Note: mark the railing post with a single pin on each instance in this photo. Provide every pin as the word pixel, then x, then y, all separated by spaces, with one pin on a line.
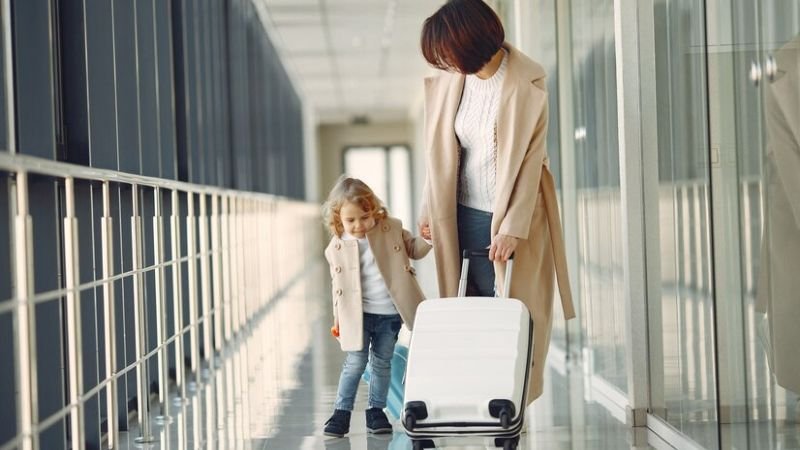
pixel 226 268
pixel 191 246
pixel 161 307
pixel 233 259
pixel 140 322
pixel 216 255
pixel 109 319
pixel 25 324
pixel 177 297
pixel 205 280
pixel 74 330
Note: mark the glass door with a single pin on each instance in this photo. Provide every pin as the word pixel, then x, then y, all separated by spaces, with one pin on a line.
pixel 756 128
pixel 681 327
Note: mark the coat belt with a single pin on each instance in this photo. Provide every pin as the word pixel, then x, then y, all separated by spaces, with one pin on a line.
pixel 557 242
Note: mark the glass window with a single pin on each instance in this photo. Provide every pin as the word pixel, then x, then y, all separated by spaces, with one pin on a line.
pixel 682 353
pixel 596 180
pixel 754 129
pixel 387 170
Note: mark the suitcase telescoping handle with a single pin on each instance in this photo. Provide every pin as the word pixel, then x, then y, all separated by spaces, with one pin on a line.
pixel 482 252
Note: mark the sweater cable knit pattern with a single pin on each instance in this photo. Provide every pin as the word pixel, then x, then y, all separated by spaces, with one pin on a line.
pixel 476 129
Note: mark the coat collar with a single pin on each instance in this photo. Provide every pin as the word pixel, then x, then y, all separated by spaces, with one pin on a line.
pixel 521 89
pixel 519 70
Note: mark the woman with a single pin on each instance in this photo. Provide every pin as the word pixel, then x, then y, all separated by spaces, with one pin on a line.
pixel 488 183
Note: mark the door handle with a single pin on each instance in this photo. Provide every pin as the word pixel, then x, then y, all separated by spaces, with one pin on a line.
pixel 755 73
pixel 771 68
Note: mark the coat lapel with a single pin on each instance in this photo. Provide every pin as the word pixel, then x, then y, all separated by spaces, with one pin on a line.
pixel 514 123
pixel 376 240
pixel 444 95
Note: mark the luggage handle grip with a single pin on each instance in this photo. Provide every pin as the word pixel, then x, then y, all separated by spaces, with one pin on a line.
pixel 470 253
pixel 467 254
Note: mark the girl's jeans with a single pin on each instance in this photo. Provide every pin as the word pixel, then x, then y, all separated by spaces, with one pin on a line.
pixel 474 232
pixel 380 335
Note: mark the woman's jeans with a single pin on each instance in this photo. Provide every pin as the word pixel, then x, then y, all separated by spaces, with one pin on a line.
pixel 381 332
pixel 474 232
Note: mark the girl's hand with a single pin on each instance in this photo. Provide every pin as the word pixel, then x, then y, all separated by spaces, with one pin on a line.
pixel 425 228
pixel 502 247
pixel 425 232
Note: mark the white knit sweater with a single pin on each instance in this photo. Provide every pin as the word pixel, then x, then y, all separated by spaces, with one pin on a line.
pixel 476 129
pixel 375 296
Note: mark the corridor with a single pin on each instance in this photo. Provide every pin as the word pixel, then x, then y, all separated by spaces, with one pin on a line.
pixel 275 387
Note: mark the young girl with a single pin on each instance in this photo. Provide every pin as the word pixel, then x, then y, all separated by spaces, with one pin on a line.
pixel 374 291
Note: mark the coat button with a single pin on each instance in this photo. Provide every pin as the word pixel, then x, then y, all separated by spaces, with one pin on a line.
pixel 337 246
pixel 397 248
pixel 407 268
pixel 338 269
pixel 386 227
pixel 339 292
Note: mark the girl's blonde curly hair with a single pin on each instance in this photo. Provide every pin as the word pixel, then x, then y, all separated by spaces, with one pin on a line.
pixel 354 191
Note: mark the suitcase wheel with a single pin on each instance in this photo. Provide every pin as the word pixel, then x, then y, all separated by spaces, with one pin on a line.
pixel 507 444
pixel 505 420
pixel 409 422
pixel 414 411
pixel 503 410
pixel 421 444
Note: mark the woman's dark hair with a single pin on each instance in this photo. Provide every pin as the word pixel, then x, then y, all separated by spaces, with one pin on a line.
pixel 462 35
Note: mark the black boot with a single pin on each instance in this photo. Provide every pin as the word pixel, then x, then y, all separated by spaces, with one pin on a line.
pixel 377 422
pixel 339 423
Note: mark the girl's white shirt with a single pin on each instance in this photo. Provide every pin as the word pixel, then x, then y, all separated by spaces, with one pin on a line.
pixel 375 296
pixel 476 129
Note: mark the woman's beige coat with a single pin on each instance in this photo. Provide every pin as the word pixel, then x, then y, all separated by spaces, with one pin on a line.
pixel 525 204
pixel 779 284
pixel 392 247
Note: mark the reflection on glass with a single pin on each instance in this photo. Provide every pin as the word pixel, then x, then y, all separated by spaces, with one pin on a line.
pixel 681 321
pixel 777 329
pixel 780 285
pixel 762 127
pixel 596 177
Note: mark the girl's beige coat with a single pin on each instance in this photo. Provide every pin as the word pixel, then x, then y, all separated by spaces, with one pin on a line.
pixel 525 201
pixel 392 247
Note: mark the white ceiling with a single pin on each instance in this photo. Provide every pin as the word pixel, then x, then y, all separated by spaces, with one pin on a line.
pixel 352 58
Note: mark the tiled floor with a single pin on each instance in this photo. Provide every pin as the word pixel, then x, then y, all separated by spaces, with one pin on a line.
pixel 276 389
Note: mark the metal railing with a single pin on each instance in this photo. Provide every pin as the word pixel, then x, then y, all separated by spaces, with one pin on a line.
pixel 236 261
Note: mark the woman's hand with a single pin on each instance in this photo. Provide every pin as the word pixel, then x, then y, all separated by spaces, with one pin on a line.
pixel 502 247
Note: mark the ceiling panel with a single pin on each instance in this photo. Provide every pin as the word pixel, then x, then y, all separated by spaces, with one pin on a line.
pixel 303 38
pixel 353 57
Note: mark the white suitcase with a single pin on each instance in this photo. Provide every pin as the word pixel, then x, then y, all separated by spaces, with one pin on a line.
pixel 468 367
